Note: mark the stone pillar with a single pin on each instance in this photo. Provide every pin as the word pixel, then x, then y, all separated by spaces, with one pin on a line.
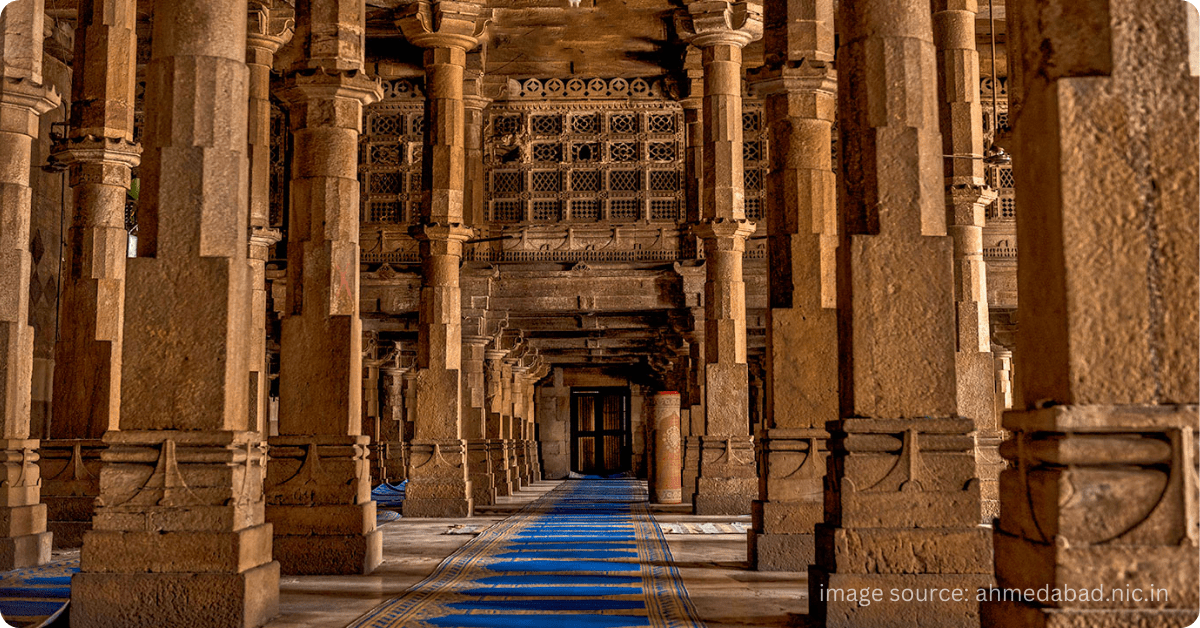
pixel 371 419
pixel 496 420
pixel 438 480
pixel 475 177
pixel 520 421
pixel 536 373
pixel 267 31
pixel 23 97
pixel 668 461
pixel 727 475
pixel 802 352
pixel 391 424
pixel 319 492
pixel 966 199
pixel 1101 487
pixel 695 427
pixel 479 462
pixel 180 512
pixel 100 154
pixel 901 497
pixel 511 427
pixel 410 416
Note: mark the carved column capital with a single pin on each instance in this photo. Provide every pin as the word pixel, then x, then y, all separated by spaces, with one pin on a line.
pixel 719 22
pixel 443 24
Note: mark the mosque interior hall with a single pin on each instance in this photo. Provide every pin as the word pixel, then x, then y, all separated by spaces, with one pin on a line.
pixel 599 313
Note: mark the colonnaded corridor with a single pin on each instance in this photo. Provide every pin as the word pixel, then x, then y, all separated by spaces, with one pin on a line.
pixel 590 553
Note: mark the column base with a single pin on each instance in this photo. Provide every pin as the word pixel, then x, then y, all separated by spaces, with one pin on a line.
pixel 70 471
pixel 691 467
pixel 720 496
pixel 780 552
pixel 479 466
pixel 326 540
pixel 29 550
pixel 199 600
pixel 834 599
pixel 501 481
pixel 438 485
pixel 68 534
pixel 437 507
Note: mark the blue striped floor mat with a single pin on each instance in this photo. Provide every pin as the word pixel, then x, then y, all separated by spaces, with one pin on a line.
pixel 586 555
pixel 35 596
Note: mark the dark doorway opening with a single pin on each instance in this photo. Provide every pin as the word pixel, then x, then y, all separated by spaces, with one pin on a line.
pixel 601 438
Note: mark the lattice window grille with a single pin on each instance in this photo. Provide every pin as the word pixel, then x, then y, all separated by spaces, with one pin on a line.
pixel 751 120
pixel 585 152
pixel 508 211
pixel 585 123
pixel 603 151
pixel 390 157
pixel 660 123
pixel 623 123
pixel 752 151
pixel 661 151
pixel 585 210
pixel 754 209
pixel 546 181
pixel 624 180
pixel 547 210
pixel 506 183
pixel 664 181
pixel 664 209
pixel 547 152
pixel 754 180
pixel 754 162
pixel 546 125
pixel 624 209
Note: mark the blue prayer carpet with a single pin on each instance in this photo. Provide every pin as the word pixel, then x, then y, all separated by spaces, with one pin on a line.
pixel 586 555
pixel 35 596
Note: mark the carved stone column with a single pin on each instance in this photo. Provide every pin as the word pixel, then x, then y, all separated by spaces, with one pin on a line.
pixel 497 421
pixel 668 460
pixel 966 199
pixel 180 511
pixel 1101 487
pixel 438 479
pixel 268 29
pixel 23 98
pixel 901 496
pixel 802 352
pixel 520 421
pixel 533 457
pixel 512 427
pixel 100 154
pixel 726 482
pixel 391 424
pixel 319 492
pixel 479 463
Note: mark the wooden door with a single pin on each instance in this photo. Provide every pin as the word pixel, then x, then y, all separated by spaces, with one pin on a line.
pixel 601 440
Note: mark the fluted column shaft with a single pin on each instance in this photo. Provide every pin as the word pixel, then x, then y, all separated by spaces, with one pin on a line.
pixel 802 352
pixel 23 98
pixel 319 460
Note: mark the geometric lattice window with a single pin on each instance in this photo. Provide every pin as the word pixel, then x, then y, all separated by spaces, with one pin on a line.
pixel 754 209
pixel 506 183
pixel 507 211
pixel 585 152
pixel 623 151
pixel 585 210
pixel 547 152
pixel 664 181
pixel 546 181
pixel 751 151
pixel 550 161
pixel 754 180
pixel 622 123
pixel 661 151
pixel 506 125
pixel 660 123
pixel 390 159
pixel 585 181
pixel 752 121
pixel 585 123
pixel 624 209
pixel 624 181
pixel 664 209
pixel 547 211
pixel 546 125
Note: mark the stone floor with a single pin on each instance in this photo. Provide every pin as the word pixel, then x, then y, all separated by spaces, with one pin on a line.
pixel 713 566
